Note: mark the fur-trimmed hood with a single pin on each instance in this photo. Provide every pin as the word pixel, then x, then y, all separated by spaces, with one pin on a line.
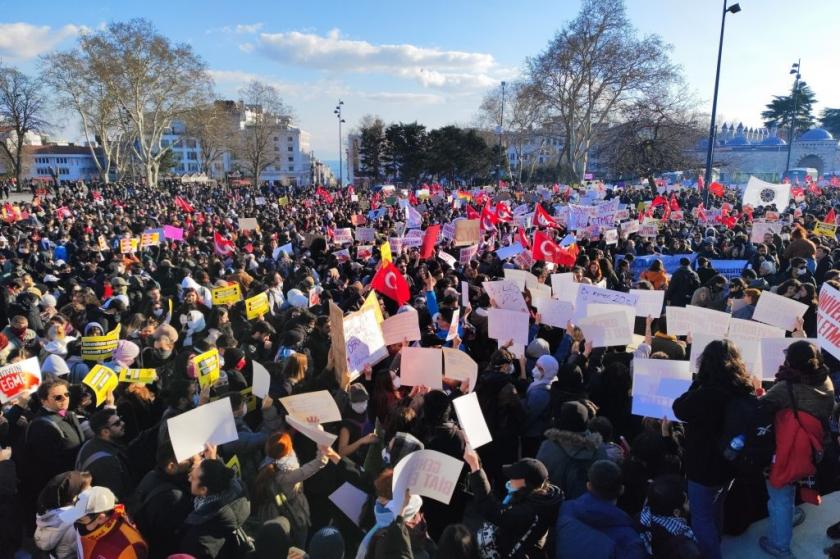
pixel 575 443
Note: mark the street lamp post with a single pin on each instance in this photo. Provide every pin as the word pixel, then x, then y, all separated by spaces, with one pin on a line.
pixel 734 8
pixel 501 128
pixel 797 88
pixel 341 121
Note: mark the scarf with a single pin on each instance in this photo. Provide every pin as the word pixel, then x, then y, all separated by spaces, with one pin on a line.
pixel 674 525
pixel 199 502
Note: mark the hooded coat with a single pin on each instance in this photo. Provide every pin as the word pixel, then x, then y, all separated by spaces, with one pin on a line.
pixel 209 530
pixel 567 456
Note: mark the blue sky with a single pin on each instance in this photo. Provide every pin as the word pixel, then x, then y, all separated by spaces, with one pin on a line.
pixel 432 61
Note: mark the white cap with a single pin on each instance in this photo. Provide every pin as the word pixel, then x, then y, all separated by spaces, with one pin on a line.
pixel 90 501
pixel 414 504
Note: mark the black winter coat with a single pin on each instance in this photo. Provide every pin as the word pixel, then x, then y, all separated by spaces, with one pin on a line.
pixel 209 532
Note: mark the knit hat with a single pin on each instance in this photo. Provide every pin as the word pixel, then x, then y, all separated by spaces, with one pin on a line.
pixel 48 300
pixel 537 349
pixel 297 299
pixel 125 353
pixel 327 543
pixel 358 393
pixel 55 365
pixel 272 539
pixel 530 469
pixel 91 325
pixel 404 444
pixel 414 504
pixel 573 417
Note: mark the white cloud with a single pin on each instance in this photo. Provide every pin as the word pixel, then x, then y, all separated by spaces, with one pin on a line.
pixel 247 27
pixel 24 40
pixel 431 67
pixel 230 81
pixel 405 98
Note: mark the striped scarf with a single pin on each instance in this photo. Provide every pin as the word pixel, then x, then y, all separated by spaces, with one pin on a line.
pixel 674 525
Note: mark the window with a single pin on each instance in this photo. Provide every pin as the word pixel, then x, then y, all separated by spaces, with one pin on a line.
pixel 276 138
pixel 291 167
pixel 276 148
pixel 63 170
pixel 192 156
pixel 190 144
pixel 290 148
pixel 164 143
pixel 291 159
pixel 291 139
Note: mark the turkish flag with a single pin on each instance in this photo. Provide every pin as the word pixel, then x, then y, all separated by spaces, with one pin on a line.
pixel 830 217
pixel 542 219
pixel 390 282
pixel 659 201
pixel 717 189
pixel 503 213
pixel 429 241
pixel 488 218
pixel 471 213
pixel 224 247
pixel 184 205
pixel 523 239
pixel 675 206
pixel 544 247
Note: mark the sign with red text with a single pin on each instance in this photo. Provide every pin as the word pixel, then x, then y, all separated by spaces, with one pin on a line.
pixel 428 473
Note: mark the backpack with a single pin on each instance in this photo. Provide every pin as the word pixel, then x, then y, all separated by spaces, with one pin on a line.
pixel 751 418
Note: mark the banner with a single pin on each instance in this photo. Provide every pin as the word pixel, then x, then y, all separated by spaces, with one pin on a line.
pixel 729 268
pixel 207 368
pixel 226 295
pixel 101 380
pixel 671 263
pixel 828 320
pixel 100 348
pixel 825 229
pixel 760 193
pixel 256 306
pixel 19 377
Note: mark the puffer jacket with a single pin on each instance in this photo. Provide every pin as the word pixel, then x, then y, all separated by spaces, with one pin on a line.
pixel 209 531
pixel 567 457
pixel 54 536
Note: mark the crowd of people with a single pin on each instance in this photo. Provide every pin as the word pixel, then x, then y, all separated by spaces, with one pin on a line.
pixel 570 472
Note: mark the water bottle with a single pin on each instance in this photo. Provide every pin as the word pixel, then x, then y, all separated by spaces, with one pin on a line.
pixel 736 445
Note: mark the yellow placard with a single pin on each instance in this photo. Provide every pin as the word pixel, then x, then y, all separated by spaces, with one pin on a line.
pixel 256 306
pixel 151 239
pixel 101 380
pixel 226 295
pixel 385 251
pixel 100 348
pixel 825 229
pixel 139 376
pixel 372 302
pixel 283 201
pixel 207 367
pixel 233 464
pixel 249 398
pixel 128 246
pixel 103 244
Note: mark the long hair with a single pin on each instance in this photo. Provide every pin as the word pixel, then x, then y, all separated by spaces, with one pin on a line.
pixel 277 445
pixel 803 363
pixel 720 366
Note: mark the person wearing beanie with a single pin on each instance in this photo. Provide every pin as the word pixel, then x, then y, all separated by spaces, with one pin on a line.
pixel 592 525
pixel 538 403
pixel 278 489
pixel 356 431
pixel 527 511
pixel 272 540
pixel 569 449
pixel 536 349
pixel 327 543
pixel 124 355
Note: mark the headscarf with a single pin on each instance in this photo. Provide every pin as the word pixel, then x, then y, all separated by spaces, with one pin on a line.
pixel 549 367
pixel 125 353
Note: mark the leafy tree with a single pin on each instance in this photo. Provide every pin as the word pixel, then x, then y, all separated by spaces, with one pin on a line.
pixel 455 153
pixel 780 109
pixel 371 148
pixel 404 151
pixel 830 120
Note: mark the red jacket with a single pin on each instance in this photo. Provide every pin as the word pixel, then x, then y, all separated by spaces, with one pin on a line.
pixel 796 442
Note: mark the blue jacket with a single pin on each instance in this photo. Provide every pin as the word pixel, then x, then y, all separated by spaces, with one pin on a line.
pixel 596 529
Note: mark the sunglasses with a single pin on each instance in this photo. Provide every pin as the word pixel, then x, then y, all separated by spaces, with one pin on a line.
pixel 60 397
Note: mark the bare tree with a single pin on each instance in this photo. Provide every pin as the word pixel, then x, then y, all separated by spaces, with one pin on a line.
pixel 590 69
pixel 657 133
pixel 153 82
pixel 91 100
pixel 266 114
pixel 21 110
pixel 215 127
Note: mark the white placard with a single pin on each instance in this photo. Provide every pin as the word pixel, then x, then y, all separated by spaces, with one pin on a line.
pixel 553 312
pixel 649 303
pixel 366 234
pixel 453 325
pixel 472 420
pixel 428 473
pixel 561 283
pixel 506 294
pixel 754 330
pixel 509 251
pixel 593 294
pixel 401 326
pixel 318 404
pixel 677 321
pixel 262 380
pixel 364 341
pixel 778 311
pixel 701 319
pixel 604 330
pixel 311 432
pixel 209 423
pixel 773 354
pixel 656 384
pixel 350 500
pixel 520 277
pixel 828 320
pixel 457 365
pixel 504 325
pixel 465 294
pixel 342 236
pixel 421 366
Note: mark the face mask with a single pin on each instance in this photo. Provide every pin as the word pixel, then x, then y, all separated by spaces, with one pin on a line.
pixel 509 369
pixel 164 353
pixel 396 381
pixel 785 237
pixel 359 407
pixel 801 271
pixel 386 456
pixel 538 375
pixel 509 487
pixel 158 312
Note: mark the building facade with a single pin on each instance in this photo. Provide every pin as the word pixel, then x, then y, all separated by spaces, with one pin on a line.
pixel 60 162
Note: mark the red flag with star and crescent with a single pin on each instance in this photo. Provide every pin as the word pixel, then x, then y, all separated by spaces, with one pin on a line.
pixel 503 213
pixel 546 249
pixel 390 282
pixel 542 219
pixel 488 218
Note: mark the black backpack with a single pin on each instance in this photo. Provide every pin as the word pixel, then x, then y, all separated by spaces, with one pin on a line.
pixel 752 418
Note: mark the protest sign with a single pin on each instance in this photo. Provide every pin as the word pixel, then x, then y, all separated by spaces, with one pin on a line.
pixel 139 376
pixel 129 245
pixel 262 380
pixel 365 234
pixel 338 353
pixel 607 329
pixel 828 320
pixel 343 256
pixel 627 228
pixel 421 366
pixel 343 235
pixel 752 329
pixel 649 229
pixel 318 404
pixel 448 231
pixel 226 294
pixel 19 377
pixel 372 303
pixel 312 432
pixel 173 233
pixel 671 262
pixel 465 294
pixel 209 423
pixel 103 244
pixel 233 464
pixel 506 295
pixel 350 500
pixel 504 325
pixel 593 294
pixel 554 312
pixel 699 342
pixel 509 251
pixel 519 277
pixel 466 254
pixel 760 228
pixel 448 258
pixel 101 381
pixel 248 224
pixel 395 244
pixel 256 306
pixel 649 303
pixel 364 342
pixel 467 232
pixel 149 238
pixel 314 296
pixel 729 268
pixel 100 348
pixel 701 319
pixel 678 321
pixel 561 282
pixel 207 368
pixel 453 325
pixel 773 354
pixel 778 311
pixel 457 365
pixel 656 384
pixel 825 229
pixel 428 473
pixel 401 326
pixel 611 236
pixel 750 350
pixel 471 419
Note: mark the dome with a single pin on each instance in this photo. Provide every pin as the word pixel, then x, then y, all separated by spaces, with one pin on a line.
pixel 773 141
pixel 816 135
pixel 739 140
